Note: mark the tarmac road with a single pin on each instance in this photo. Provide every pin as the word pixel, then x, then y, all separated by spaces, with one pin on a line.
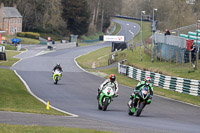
pixel 76 93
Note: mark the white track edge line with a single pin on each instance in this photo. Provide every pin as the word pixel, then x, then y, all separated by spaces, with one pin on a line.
pixel 29 90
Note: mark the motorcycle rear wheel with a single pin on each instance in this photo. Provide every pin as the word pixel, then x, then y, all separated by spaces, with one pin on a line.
pixel 56 80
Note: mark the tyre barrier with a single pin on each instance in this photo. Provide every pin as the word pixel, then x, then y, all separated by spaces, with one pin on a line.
pixel 181 85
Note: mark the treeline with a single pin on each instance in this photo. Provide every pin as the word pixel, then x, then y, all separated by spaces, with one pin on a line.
pixel 66 17
pixel 171 13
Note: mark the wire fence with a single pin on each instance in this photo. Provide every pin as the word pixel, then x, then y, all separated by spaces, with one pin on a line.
pixel 171 49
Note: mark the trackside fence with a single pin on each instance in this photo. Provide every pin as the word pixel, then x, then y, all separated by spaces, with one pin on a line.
pixel 177 84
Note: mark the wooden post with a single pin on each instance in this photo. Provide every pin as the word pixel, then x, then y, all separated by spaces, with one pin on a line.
pixel 160 55
pixel 190 58
pixel 170 56
pixel 183 58
pixel 156 54
pixel 197 59
pixel 176 57
pixel 165 55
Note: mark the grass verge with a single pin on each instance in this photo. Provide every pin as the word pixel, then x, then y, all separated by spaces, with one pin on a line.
pixel 97 60
pixel 24 40
pixel 5 128
pixel 10 60
pixel 159 91
pixel 15 97
pixel 118 28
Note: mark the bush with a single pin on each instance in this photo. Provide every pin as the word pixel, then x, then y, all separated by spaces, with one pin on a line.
pixel 21 34
pixel 28 35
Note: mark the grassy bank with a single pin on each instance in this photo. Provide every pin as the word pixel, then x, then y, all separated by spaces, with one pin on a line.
pixel 159 91
pixel 146 28
pixel 15 97
pixel 24 40
pixel 98 59
pixel 13 94
pixel 10 60
pixel 4 128
pixel 118 28
pixel 88 60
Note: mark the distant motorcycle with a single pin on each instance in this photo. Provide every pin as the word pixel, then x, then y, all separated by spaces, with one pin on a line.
pixel 57 76
pixel 105 98
pixel 141 99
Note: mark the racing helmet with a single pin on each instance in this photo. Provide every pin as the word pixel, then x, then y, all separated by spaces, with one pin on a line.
pixel 58 65
pixel 147 80
pixel 112 78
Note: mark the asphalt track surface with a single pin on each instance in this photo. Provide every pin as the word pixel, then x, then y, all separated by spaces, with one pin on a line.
pixel 76 93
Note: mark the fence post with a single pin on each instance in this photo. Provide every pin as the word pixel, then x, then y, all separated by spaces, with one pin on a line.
pixel 197 59
pixel 156 54
pixel 176 57
pixel 160 55
pixel 183 58
pixel 190 57
pixel 170 56
pixel 165 55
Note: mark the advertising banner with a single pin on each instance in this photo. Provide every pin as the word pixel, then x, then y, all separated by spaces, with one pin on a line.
pixel 113 38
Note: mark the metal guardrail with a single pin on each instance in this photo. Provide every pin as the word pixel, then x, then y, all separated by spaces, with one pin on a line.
pixel 181 85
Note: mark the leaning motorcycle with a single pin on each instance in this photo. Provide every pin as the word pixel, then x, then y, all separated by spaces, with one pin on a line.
pixel 105 98
pixel 57 76
pixel 141 99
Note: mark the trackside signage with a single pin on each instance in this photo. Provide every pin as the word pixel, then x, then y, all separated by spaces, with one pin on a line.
pixel 113 38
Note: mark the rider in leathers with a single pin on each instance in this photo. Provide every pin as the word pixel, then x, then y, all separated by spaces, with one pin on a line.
pixel 146 83
pixel 111 83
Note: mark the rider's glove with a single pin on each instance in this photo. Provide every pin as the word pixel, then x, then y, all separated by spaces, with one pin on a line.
pixel 136 91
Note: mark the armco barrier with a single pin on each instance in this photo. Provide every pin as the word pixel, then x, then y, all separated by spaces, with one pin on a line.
pixel 177 84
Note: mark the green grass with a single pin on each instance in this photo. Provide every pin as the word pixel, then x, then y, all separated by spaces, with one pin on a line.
pixel 24 40
pixel 92 37
pixel 118 28
pixel 5 128
pixel 145 64
pixel 15 97
pixel 159 91
pixel 97 59
pixel 146 28
pixel 133 59
pixel 9 47
pixel 10 60
pixel 166 68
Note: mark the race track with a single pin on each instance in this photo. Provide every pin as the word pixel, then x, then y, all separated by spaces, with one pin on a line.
pixel 76 93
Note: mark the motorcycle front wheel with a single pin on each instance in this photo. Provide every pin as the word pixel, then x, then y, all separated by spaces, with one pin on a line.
pixel 139 110
pixel 105 104
pixel 56 80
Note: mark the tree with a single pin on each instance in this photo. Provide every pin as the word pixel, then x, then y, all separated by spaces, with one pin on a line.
pixel 76 15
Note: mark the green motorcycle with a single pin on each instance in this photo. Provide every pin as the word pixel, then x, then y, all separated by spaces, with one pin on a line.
pixel 141 99
pixel 105 98
pixel 57 76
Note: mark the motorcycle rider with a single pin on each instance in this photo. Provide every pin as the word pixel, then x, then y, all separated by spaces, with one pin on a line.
pixel 146 83
pixel 111 82
pixel 58 66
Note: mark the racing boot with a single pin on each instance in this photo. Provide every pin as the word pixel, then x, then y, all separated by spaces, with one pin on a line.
pixel 98 94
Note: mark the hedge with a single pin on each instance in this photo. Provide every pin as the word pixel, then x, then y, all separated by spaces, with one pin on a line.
pixel 28 35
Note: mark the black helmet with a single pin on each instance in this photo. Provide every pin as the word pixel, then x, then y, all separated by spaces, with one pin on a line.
pixel 112 77
pixel 58 65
